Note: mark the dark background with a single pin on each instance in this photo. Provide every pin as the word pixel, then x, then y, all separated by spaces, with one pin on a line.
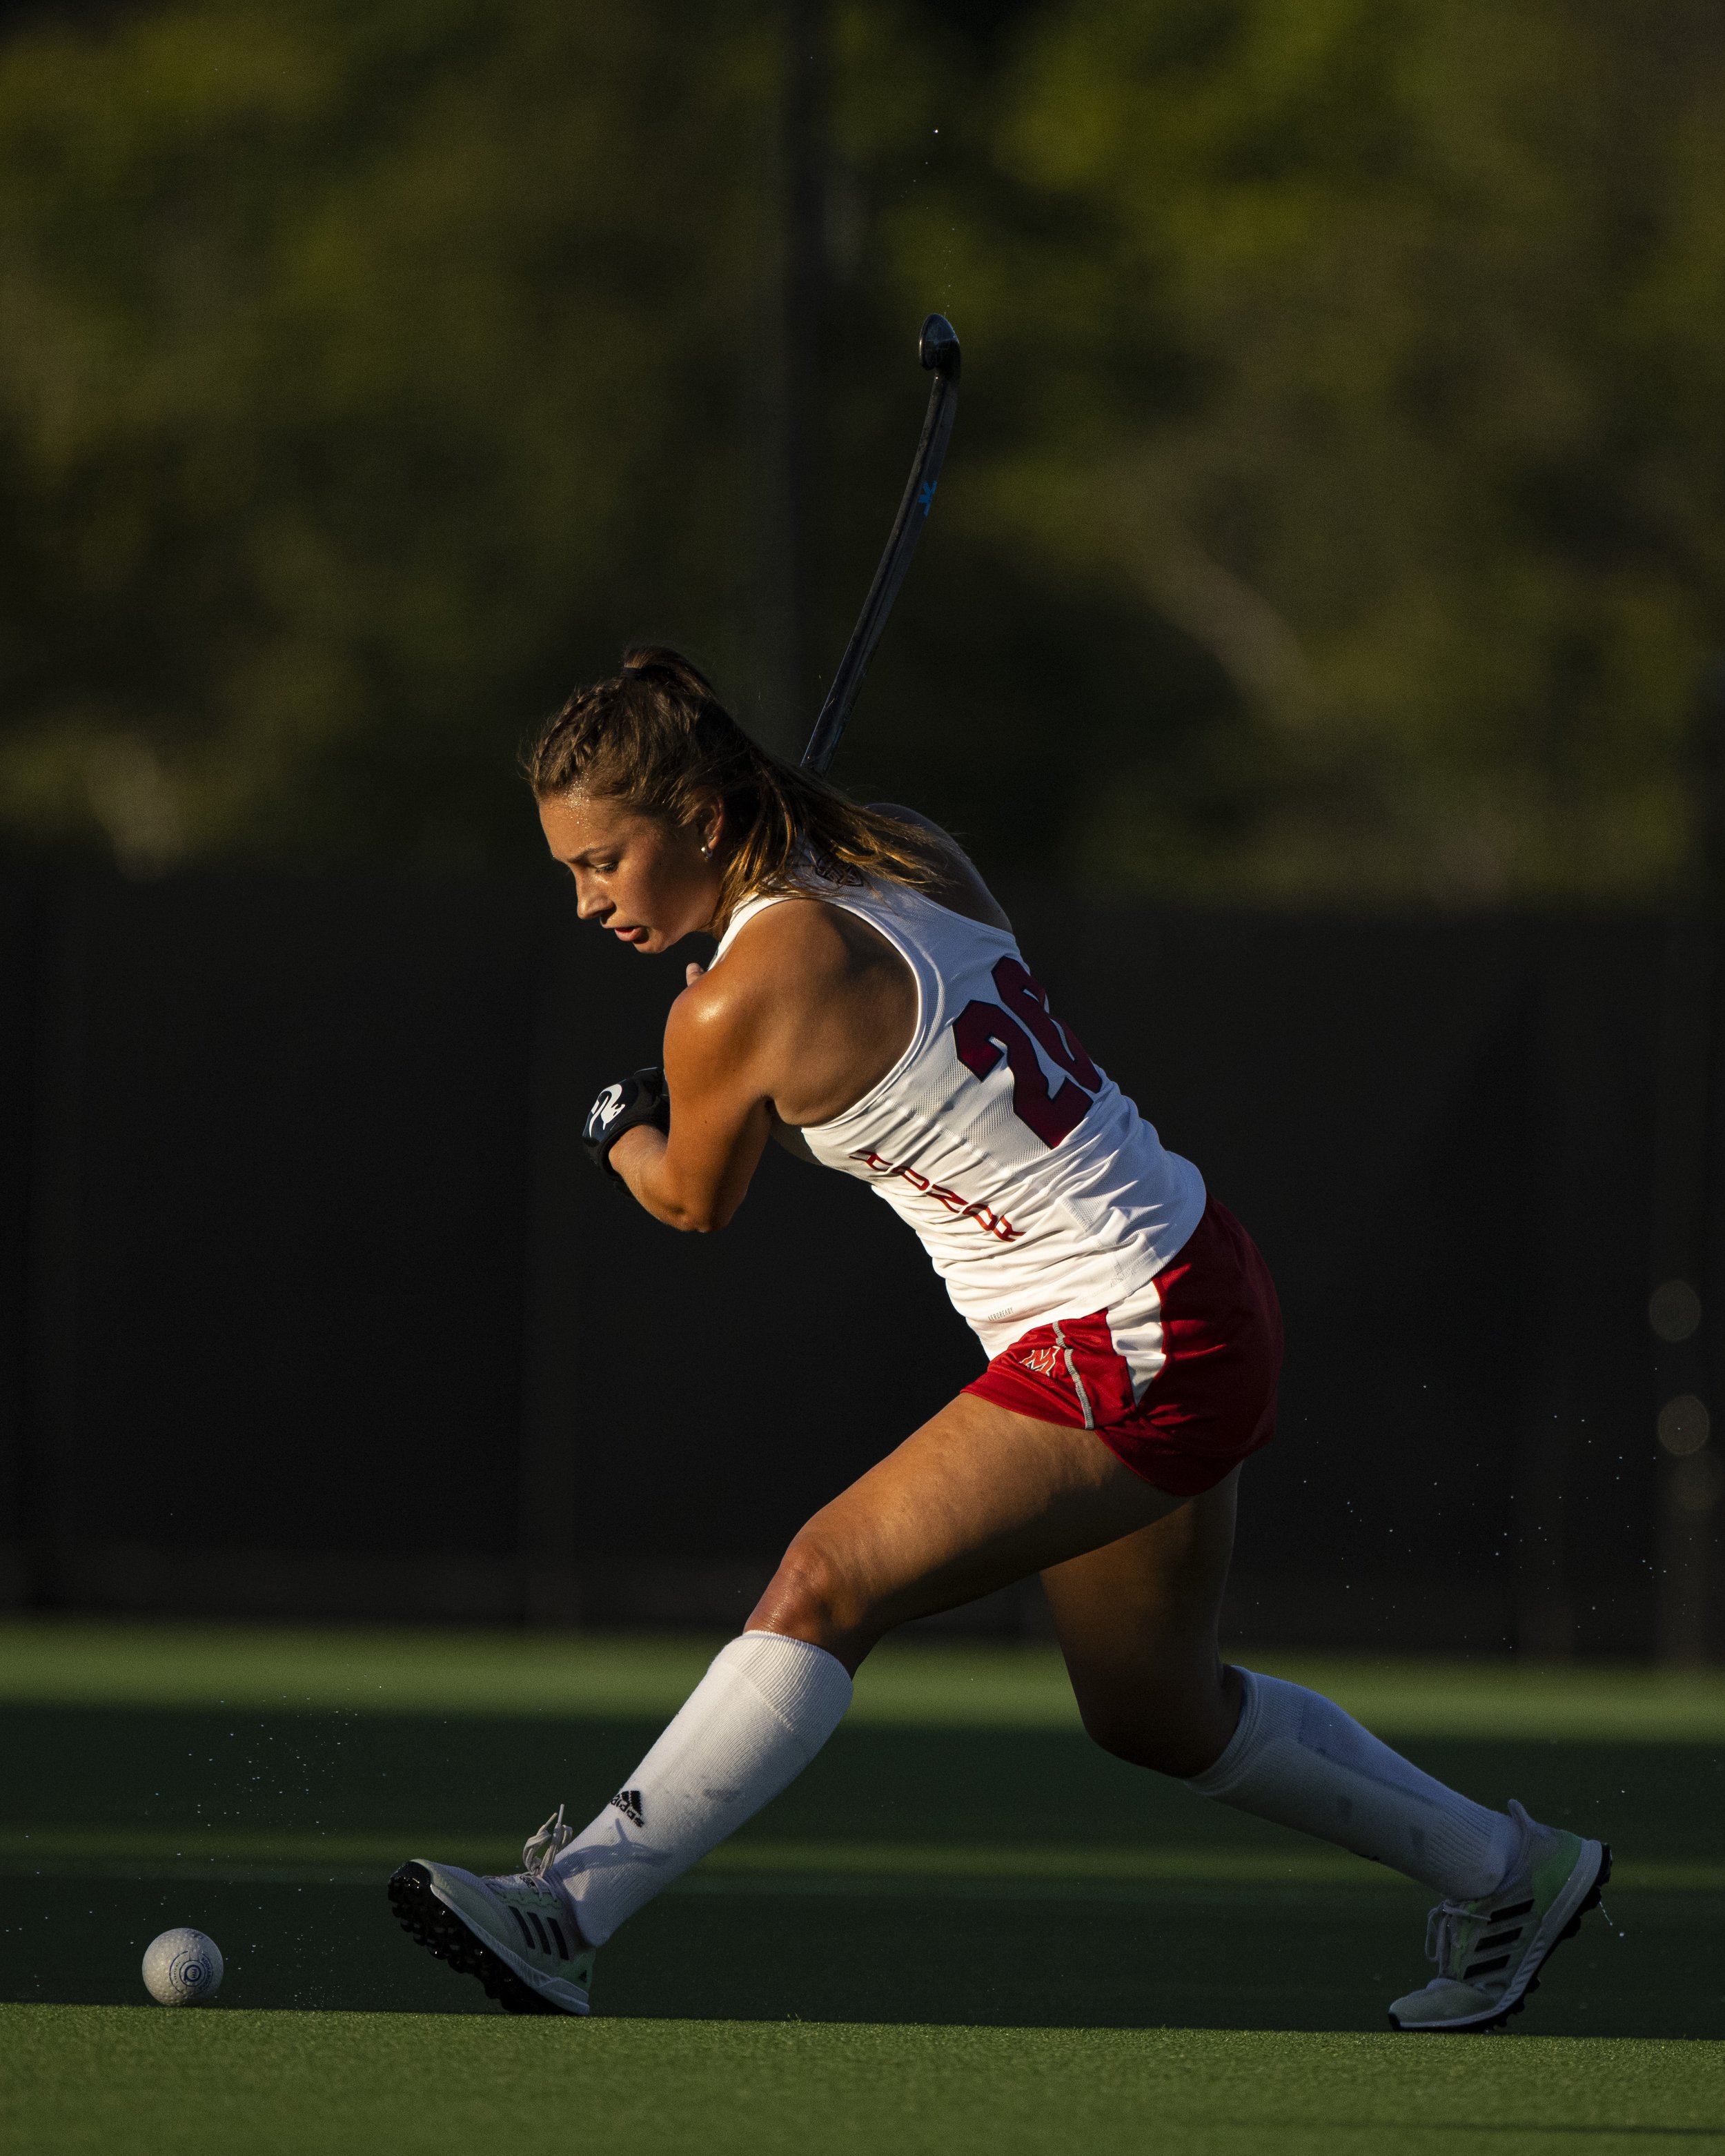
pixel 313 1305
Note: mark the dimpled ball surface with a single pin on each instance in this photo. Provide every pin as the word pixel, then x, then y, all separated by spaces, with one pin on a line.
pixel 183 1968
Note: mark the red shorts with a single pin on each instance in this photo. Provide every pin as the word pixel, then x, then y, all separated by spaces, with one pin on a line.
pixel 1179 1383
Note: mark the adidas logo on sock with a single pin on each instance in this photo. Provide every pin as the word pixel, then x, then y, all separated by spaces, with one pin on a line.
pixel 628 1803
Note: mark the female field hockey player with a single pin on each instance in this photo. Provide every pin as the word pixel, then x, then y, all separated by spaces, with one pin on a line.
pixel 868 1006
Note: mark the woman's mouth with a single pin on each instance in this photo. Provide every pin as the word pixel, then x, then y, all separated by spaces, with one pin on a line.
pixel 630 935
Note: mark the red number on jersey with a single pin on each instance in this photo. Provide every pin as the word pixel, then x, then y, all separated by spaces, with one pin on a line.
pixel 1027 1000
pixel 984 1032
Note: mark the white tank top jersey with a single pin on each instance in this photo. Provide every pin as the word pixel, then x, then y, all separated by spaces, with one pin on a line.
pixel 1037 1188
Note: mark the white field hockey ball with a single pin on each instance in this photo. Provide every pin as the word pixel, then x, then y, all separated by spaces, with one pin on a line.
pixel 183 1968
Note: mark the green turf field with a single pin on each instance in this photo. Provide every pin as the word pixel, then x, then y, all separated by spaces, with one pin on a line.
pixel 964 1927
pixel 108 2078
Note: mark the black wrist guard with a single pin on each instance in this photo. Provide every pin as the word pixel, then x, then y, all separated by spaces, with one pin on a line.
pixel 640 1098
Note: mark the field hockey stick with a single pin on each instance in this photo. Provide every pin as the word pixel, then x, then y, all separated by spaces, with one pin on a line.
pixel 937 348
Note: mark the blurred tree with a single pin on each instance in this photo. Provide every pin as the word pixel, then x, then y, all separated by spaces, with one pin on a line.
pixel 1375 345
pixel 1336 510
pixel 366 372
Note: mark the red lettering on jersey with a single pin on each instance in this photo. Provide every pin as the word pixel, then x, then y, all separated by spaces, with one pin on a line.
pixel 994 1223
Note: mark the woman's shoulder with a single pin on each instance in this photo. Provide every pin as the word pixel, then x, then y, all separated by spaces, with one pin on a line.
pixel 795 931
pixel 790 958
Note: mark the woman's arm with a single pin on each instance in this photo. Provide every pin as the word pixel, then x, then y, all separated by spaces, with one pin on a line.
pixel 785 1135
pixel 810 1008
pixel 722 1116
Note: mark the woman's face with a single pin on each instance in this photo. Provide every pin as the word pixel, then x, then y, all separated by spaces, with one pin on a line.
pixel 651 884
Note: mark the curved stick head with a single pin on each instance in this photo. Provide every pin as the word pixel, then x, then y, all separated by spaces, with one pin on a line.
pixel 937 347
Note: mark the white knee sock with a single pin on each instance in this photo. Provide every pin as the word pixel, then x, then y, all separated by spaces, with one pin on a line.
pixel 1298 1759
pixel 758 1718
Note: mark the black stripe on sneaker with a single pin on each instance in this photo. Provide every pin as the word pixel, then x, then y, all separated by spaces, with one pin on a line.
pixel 521 1925
pixel 533 1919
pixel 1515 1909
pixel 1485 1968
pixel 557 1932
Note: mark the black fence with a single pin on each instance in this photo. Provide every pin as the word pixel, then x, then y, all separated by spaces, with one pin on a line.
pixel 310 1305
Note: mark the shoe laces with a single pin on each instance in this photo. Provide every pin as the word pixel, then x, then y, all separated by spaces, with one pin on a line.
pixel 1443 1932
pixel 546 1846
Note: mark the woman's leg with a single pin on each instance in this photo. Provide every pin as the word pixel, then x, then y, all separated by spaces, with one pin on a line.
pixel 978 1497
pixel 1138 1624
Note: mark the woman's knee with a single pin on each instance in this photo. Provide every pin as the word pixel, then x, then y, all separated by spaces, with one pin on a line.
pixel 1178 1729
pixel 815 1596
pixel 1137 1738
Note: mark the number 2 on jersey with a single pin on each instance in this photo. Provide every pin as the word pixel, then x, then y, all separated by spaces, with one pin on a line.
pixel 984 1032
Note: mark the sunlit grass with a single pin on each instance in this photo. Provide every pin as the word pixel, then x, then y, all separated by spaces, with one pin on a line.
pixel 396 1671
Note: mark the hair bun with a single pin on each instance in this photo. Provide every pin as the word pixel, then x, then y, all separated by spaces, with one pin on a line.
pixel 669 671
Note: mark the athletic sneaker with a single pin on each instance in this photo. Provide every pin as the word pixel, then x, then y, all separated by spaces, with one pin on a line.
pixel 1489 1952
pixel 517 1934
